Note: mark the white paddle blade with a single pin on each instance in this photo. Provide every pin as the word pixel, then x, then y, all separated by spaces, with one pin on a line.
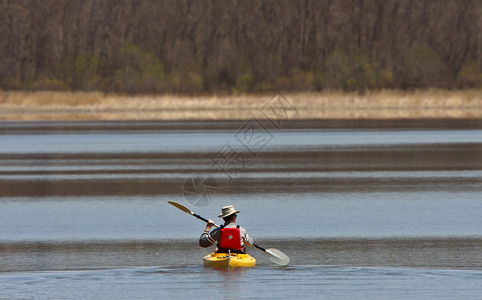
pixel 278 257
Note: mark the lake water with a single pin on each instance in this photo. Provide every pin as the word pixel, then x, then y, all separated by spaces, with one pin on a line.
pixel 364 209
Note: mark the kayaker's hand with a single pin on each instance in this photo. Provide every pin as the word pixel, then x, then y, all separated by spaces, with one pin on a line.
pixel 209 225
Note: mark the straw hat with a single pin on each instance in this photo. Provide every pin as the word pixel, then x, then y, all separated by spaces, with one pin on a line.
pixel 227 211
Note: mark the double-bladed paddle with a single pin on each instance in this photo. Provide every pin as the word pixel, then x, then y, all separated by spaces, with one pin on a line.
pixel 274 255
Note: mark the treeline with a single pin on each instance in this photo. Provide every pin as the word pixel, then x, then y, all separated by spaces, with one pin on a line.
pixel 226 46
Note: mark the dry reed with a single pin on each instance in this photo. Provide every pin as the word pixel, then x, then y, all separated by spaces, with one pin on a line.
pixel 388 104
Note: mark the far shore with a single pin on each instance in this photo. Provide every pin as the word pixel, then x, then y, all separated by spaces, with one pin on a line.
pixel 97 106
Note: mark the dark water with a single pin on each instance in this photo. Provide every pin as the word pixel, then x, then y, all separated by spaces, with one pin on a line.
pixel 367 209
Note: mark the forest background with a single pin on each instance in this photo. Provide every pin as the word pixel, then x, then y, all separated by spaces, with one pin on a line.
pixel 229 46
pixel 221 48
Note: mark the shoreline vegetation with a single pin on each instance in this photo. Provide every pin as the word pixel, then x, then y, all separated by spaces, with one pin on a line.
pixel 223 60
pixel 239 47
pixel 385 104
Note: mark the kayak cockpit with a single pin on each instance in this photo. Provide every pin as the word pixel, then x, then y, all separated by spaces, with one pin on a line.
pixel 229 260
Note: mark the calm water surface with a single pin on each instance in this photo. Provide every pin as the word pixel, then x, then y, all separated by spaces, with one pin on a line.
pixel 379 212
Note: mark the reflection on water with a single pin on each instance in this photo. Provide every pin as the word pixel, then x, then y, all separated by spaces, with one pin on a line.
pixel 440 253
pixel 147 158
pixel 343 214
pixel 86 196
pixel 206 142
pixel 444 166
pixel 305 282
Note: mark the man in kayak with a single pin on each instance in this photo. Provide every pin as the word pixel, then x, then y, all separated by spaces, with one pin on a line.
pixel 230 237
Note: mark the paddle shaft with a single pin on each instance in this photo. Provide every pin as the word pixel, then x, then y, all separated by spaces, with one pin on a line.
pixel 203 219
pixel 260 248
pixel 187 210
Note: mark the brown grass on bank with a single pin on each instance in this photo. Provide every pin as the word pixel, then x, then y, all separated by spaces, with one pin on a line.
pixel 388 104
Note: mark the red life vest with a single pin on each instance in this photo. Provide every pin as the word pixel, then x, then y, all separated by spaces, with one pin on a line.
pixel 230 238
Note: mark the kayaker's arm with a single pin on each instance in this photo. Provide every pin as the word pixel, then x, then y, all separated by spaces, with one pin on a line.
pixel 208 238
pixel 247 240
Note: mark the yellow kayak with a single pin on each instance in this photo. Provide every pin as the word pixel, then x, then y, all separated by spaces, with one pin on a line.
pixel 233 260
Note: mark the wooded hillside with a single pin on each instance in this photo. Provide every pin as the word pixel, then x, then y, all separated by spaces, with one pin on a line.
pixel 226 46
